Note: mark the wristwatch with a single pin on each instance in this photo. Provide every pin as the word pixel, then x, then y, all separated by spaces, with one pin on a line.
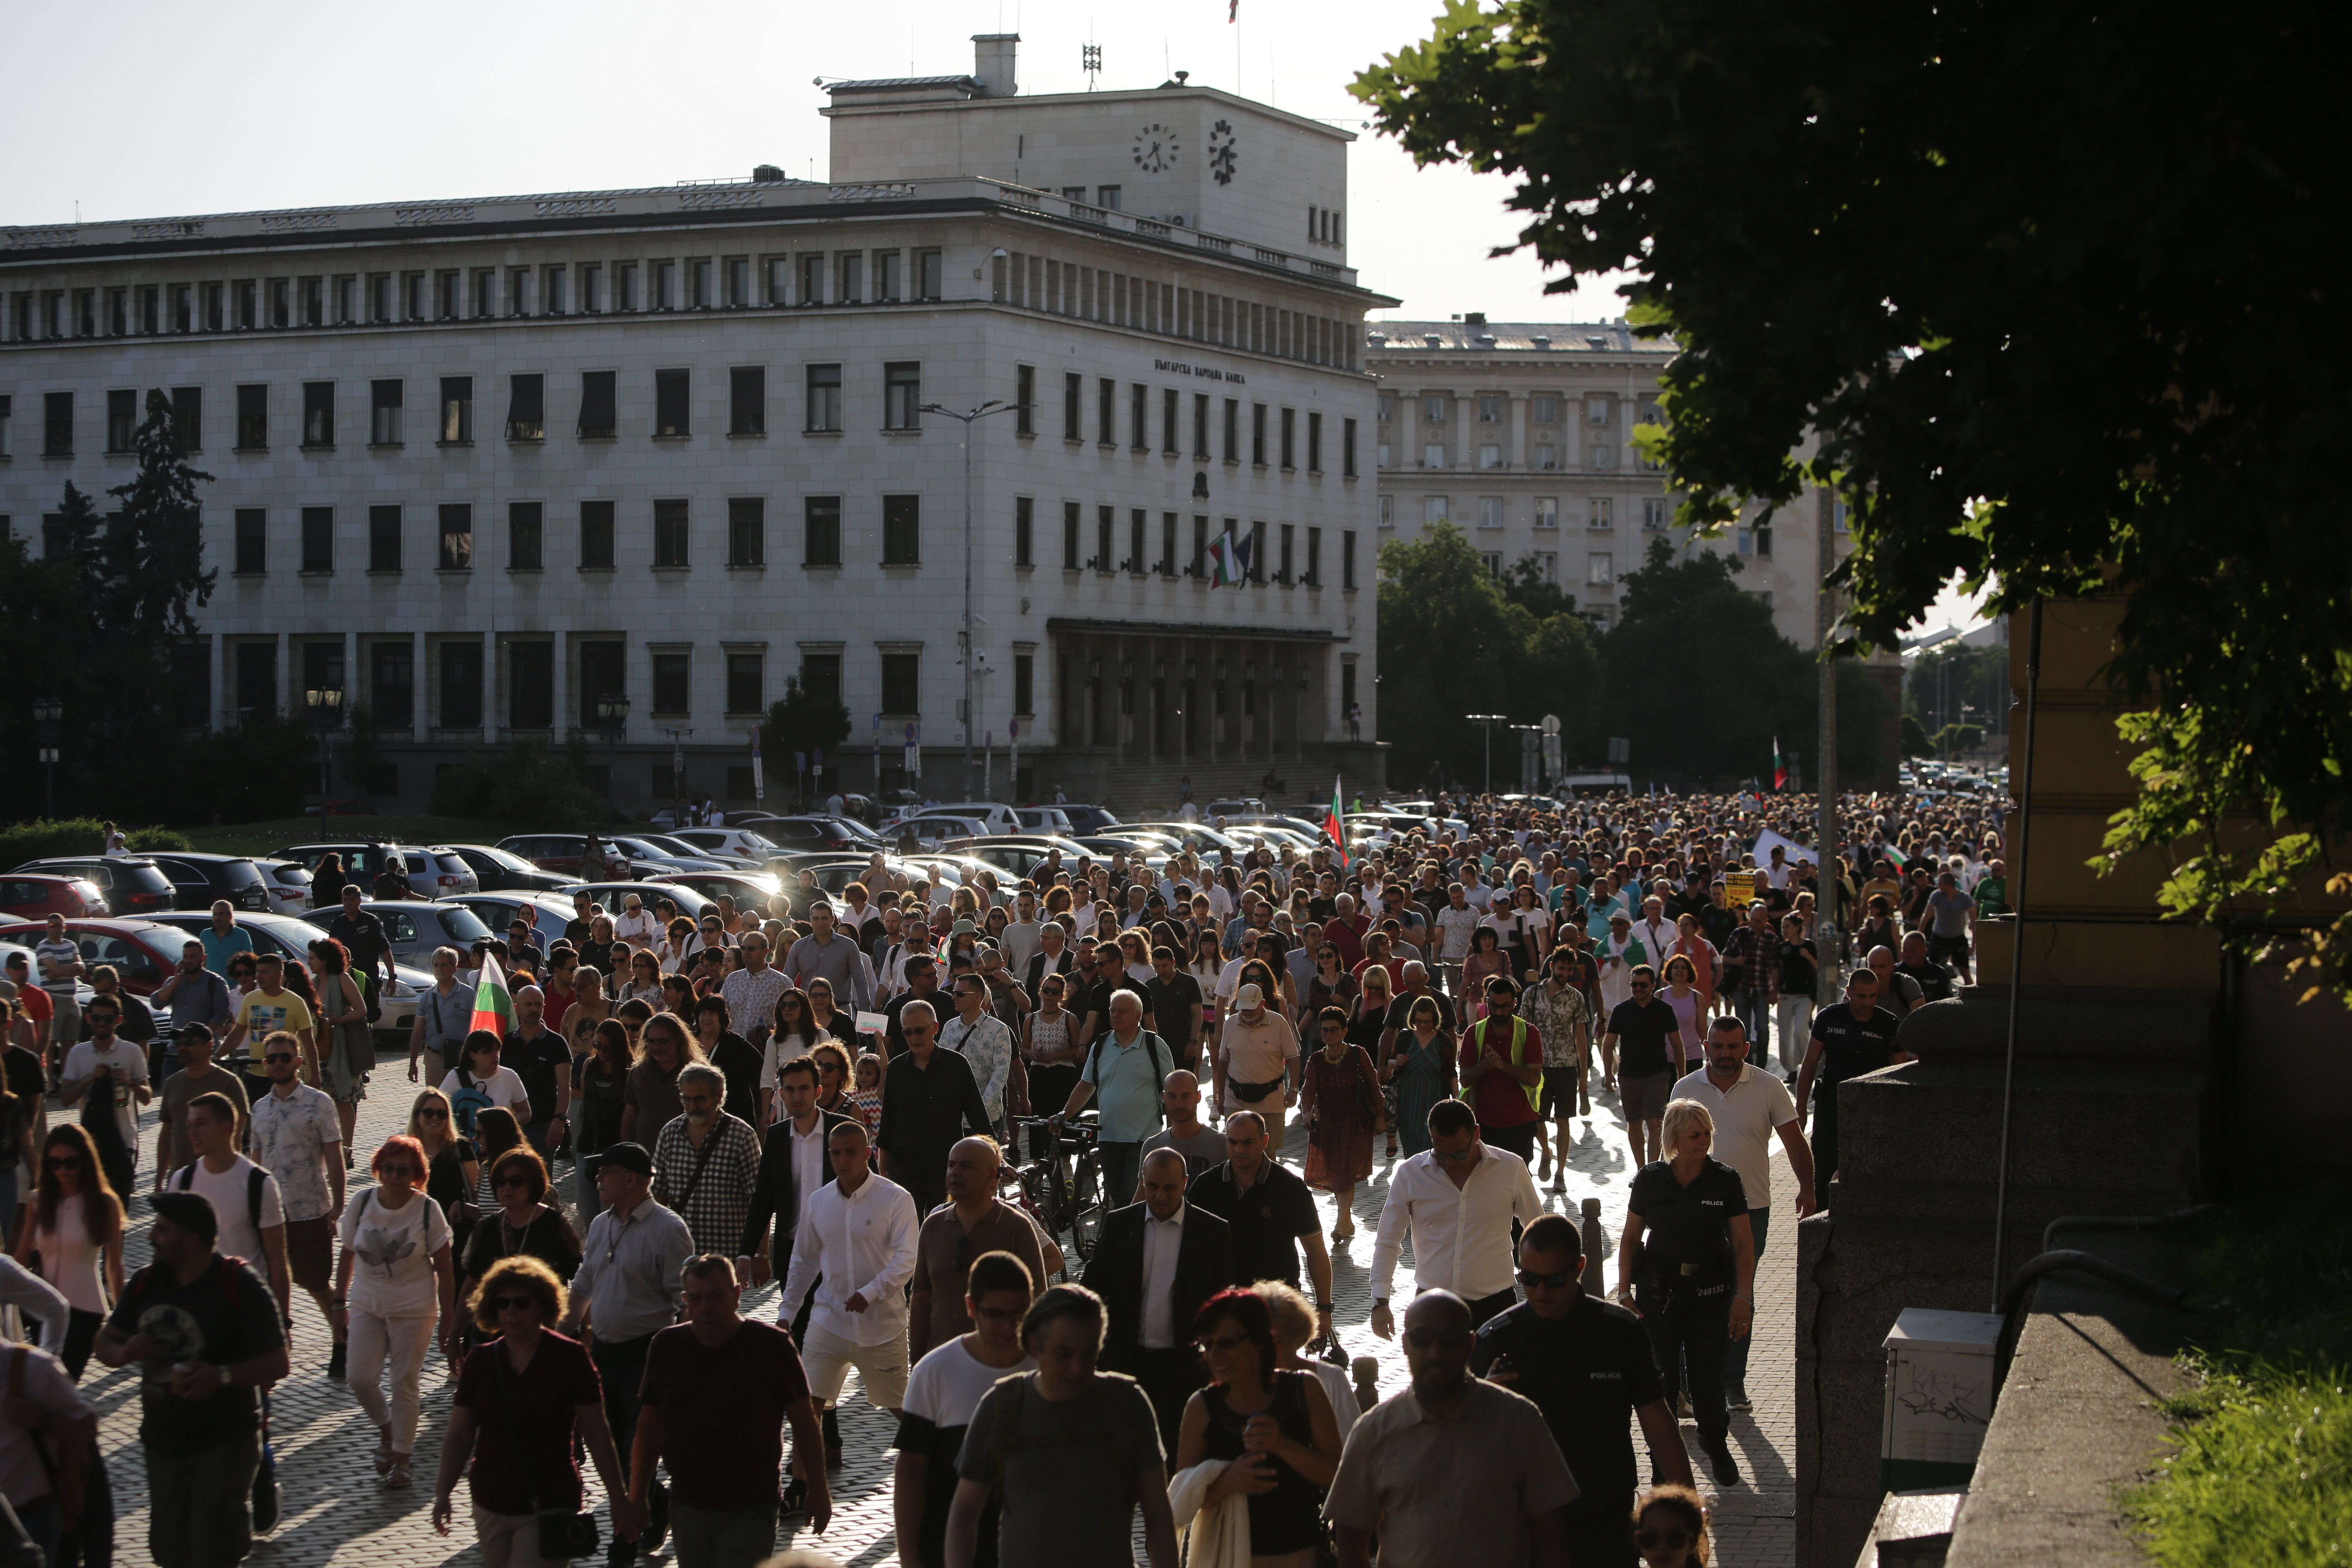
pixel 225 1381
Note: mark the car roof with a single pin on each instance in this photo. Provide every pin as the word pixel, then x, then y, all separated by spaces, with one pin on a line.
pixel 152 930
pixel 43 876
pixel 195 855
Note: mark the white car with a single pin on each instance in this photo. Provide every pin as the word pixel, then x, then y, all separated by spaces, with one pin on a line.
pixel 289 885
pixel 742 842
pixel 1046 819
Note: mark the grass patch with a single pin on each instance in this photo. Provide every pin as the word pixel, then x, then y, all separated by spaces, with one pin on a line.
pixel 2261 1473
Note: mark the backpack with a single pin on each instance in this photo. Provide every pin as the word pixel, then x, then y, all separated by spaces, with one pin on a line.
pixel 257 1181
pixel 470 1099
pixel 1151 1043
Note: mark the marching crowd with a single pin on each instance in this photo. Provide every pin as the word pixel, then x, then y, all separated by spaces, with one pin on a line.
pixel 829 1094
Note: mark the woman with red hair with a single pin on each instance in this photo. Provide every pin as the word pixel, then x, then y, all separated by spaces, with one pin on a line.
pixel 1275 1427
pixel 395 1279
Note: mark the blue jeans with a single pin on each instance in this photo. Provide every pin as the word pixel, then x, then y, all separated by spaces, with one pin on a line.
pixel 728 1538
pixel 1754 1009
pixel 1735 1363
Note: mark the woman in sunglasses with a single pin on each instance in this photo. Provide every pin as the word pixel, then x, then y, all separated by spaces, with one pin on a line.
pixel 826 1014
pixel 1670 1528
pixel 394 1280
pixel 72 1235
pixel 450 1167
pixel 833 1083
pixel 524 1224
pixel 1275 1427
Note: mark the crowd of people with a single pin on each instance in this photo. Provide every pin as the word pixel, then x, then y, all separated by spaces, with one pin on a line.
pixel 826 1096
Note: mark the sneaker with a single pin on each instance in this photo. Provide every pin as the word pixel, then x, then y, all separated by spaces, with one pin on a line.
pixel 795 1501
pixel 1735 1393
pixel 338 1361
pixel 1682 1406
pixel 1727 1468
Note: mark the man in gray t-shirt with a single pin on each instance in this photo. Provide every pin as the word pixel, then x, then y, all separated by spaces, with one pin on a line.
pixel 1951 914
pixel 1070 1457
pixel 1203 1146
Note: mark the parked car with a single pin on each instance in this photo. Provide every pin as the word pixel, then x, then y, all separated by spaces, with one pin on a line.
pixel 415 928
pixel 1015 857
pixel 792 835
pixel 204 879
pixel 133 886
pixel 431 873
pixel 290 937
pixel 549 913
pixel 26 895
pixel 679 849
pixel 650 857
pixel 932 828
pixel 749 889
pixel 1236 805
pixel 612 894
pixel 558 852
pixel 1043 818
pixel 745 843
pixel 82 993
pixel 1085 819
pixel 142 951
pixel 502 870
pixel 288 882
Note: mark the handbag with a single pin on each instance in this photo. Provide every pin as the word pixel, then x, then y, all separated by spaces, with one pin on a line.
pixel 563 1533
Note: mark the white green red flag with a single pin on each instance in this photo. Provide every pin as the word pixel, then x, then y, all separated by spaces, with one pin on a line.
pixel 493 1009
pixel 1780 768
pixel 1336 825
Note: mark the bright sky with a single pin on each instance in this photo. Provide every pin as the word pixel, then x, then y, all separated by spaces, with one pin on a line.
pixel 157 110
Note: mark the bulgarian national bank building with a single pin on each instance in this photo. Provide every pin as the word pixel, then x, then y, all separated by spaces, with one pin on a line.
pixel 487 465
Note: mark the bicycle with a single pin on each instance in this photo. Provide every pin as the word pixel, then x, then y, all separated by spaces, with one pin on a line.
pixel 1063 1180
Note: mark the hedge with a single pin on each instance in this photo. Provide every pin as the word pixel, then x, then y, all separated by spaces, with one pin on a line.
pixel 46 838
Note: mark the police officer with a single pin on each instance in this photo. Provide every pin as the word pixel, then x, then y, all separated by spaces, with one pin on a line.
pixel 1585 1363
pixel 1695 1285
pixel 1850 1039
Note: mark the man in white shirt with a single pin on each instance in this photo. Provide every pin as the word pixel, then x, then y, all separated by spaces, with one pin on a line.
pixel 297 1139
pixel 858 1247
pixel 115 1069
pixel 1458 1198
pixel 244 1195
pixel 1750 1106
pixel 636 926
pixel 1654 932
pixel 1154 1265
pixel 1020 938
pixel 1456 923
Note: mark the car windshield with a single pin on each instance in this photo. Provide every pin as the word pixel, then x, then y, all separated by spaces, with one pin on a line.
pixel 240 873
pixel 461 922
pixel 503 858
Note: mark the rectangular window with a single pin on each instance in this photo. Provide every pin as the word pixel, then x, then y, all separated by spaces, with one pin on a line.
pixel 747 400
pixel 383 539
pixel 1347 558
pixel 664 289
pixel 604 672
pixel 1764 539
pixel 317 538
pixel 823 397
pixel 1289 538
pixel 252 541
pixel 1136 524
pixel 1596 411
pixel 456 537
pixel 670 533
pixel 1597 510
pixel 1493 561
pixel 624 286
pixel 1653 514
pixel 820 531
pixel 1547 512
pixel 1314 442
pixel 518 290
pixel 670 396
pixel 281 303
pixel 1432 455
pixel 747 682
pixel 526 536
pixel 249 304
pixel 1105 521
pixel 1434 509
pixel 596 547
pixel 812 279
pixel 486 293
pixel 600 416
pixel 530 690
pixel 1388 511
pixel 1544 408
pixel 1106 196
pixel 1201 427
pixel 738 281
pixel 1138 415
pixel 1490 512
pixel 853 277
pixel 527 408
pixel 1289 439
pixel 698 276
pixel 821 677
pixel 384 412
pixel 188 417
pixel 1073 397
pixel 746 531
pixel 257 677
pixel 1167 544
pixel 1598 572
pixel 1024 399
pixel 121 420
pixel 902 683
pixel 1200 547
pixel 1347 449
pixel 456 410
pixel 1257 552
pixel 1106 411
pixel 252 418
pixel 1257 435
pixel 673 684
pixel 391 684
pixel 318 414
pixel 1232 430
pixel 930 268
pixel 448 294
pixel 591 289
pixel 888 276
pixel 1025 684
pixel 1490 455
pixel 1070 524
pixel 462 685
pixel 1025 529
pixel 902 395
pixel 1313 557
pixel 902 530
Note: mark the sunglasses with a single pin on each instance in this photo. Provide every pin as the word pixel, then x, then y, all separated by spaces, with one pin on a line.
pixel 514 1303
pixel 1444 1338
pixel 405 1172
pixel 513 1181
pixel 62 1163
pixel 279 1057
pixel 434 1113
pixel 1222 1343
pixel 1672 1540
pixel 1558 1281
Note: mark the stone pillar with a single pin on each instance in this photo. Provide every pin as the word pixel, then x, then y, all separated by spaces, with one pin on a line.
pixel 224 701
pixel 288 705
pixel 565 720
pixel 352 690
pixel 420 703
pixel 489 687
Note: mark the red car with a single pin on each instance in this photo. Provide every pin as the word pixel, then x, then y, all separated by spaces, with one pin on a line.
pixel 30 896
pixel 143 951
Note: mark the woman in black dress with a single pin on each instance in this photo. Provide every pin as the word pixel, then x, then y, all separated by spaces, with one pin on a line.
pixel 1277 1427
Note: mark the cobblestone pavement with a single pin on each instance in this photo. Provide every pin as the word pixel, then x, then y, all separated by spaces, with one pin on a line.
pixel 336 1512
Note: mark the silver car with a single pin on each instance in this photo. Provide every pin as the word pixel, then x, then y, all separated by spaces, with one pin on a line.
pixel 291 938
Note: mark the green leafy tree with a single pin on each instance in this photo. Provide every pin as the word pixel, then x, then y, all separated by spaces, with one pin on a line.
pixel 147 563
pixel 1915 738
pixel 2059 324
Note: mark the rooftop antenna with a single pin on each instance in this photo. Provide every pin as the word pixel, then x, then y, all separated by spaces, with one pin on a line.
pixel 1090 61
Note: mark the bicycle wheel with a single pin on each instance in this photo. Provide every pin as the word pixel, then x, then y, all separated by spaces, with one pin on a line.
pixel 1086 1206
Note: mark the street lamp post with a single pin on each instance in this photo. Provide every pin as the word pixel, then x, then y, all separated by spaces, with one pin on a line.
pixel 676 776
pixel 1489 721
pixel 325 704
pixel 47 711
pixel 968 417
pixel 613 716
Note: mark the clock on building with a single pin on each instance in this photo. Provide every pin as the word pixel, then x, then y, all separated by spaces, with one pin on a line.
pixel 1221 151
pixel 1155 149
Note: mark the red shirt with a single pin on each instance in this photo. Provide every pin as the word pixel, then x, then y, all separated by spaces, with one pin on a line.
pixel 1500 1099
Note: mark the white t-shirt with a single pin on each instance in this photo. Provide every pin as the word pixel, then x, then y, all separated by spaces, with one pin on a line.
pixel 86 1059
pixel 947 1383
pixel 228 1194
pixel 1745 1121
pixel 504 1087
pixel 393 1248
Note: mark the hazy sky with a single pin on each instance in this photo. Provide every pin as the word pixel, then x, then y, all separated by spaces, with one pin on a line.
pixel 139 109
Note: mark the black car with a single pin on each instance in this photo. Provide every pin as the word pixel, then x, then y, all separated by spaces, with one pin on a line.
pixel 802 835
pixel 504 871
pixel 204 879
pixel 134 886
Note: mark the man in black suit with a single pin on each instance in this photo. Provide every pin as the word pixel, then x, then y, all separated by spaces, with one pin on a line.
pixel 1153 1266
pixel 793 1167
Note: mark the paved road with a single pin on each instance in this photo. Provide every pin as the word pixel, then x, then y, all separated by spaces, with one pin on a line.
pixel 338 1513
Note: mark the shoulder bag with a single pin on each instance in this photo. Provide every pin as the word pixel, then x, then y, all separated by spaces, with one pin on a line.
pixel 563 1533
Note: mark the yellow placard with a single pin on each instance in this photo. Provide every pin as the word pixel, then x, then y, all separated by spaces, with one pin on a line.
pixel 1739 888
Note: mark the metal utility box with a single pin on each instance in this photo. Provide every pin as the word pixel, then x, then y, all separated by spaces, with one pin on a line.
pixel 1939 1396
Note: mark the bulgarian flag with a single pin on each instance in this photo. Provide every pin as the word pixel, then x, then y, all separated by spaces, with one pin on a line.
pixel 1335 825
pixel 1225 561
pixel 493 1009
pixel 1780 768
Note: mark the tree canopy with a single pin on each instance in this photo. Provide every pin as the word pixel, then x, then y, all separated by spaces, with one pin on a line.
pixel 2051 285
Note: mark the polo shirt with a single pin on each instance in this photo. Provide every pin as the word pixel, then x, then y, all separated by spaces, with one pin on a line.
pixel 1267 1219
pixel 1126 1079
pixel 219 949
pixel 1642 1029
pixel 1746 1116
pixel 1688 1224
pixel 1588 1372
pixel 1419 1478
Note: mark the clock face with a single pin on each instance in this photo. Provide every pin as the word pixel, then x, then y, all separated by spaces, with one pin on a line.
pixel 1155 149
pixel 1221 151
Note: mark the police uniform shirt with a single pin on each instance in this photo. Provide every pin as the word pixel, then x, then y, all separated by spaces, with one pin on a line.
pixel 1852 1046
pixel 1267 1217
pixel 1688 1224
pixel 1588 1372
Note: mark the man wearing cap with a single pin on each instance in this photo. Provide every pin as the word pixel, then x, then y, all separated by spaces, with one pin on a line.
pixel 1257 1061
pixel 625 1292
pixel 205 1330
pixel 198 1074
